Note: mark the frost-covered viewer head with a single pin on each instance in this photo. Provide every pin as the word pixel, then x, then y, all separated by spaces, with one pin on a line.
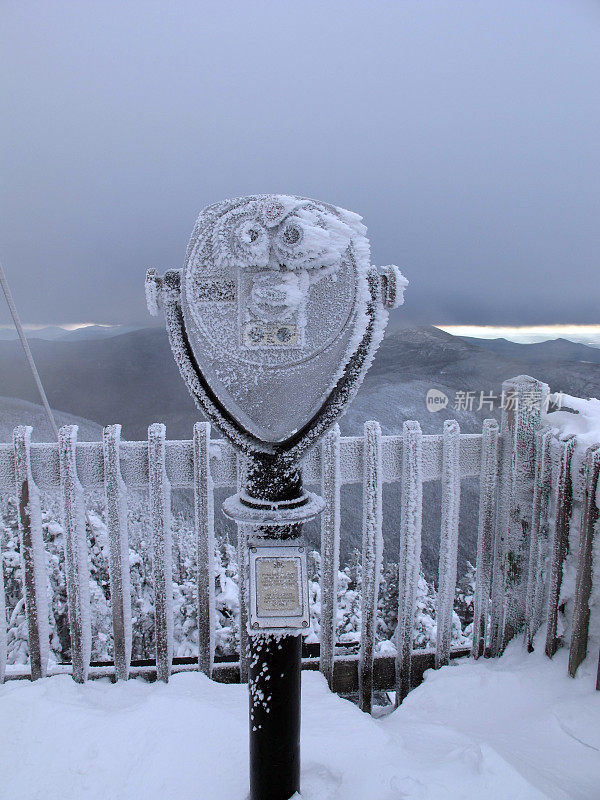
pixel 278 232
pixel 278 316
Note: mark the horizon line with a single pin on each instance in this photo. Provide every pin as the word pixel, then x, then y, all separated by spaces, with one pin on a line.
pixel 528 334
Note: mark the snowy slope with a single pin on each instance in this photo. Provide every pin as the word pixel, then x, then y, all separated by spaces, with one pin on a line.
pixel 512 728
pixel 15 412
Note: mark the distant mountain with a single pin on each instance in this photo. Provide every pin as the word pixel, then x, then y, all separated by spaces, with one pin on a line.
pixel 54 332
pixel 560 349
pixel 99 331
pixel 15 412
pixel 50 332
pixel 132 378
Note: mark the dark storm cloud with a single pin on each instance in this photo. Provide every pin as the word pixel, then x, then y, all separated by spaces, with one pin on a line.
pixel 466 133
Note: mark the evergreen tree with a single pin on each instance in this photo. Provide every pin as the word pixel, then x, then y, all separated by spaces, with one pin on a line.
pixel 463 604
pixel 227 605
pixel 227 599
pixel 17 642
pixel 313 562
pixel 387 607
pixel 349 610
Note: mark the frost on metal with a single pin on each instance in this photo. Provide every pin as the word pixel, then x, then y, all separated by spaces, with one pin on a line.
pixel 179 462
pixel 277 292
pixel 205 531
pixel 372 554
pixel 76 554
pixel 587 561
pixel 539 555
pixel 579 593
pixel 330 547
pixel 160 512
pixel 33 555
pixel 448 541
pixel 521 419
pixel 153 286
pixel 2 620
pixel 485 534
pixel 562 505
pixel 393 284
pixel 243 577
pixel 118 550
pixel 244 602
pixel 411 515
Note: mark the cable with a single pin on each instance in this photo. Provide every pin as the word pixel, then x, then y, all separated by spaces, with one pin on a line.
pixel 25 343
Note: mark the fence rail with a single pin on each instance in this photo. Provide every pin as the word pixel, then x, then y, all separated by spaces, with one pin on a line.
pixel 530 512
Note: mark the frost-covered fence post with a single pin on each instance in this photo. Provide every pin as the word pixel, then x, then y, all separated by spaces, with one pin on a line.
pixel 560 537
pixel 115 494
pixel 205 533
pixel 523 398
pixel 411 513
pixel 583 585
pixel 2 619
pixel 160 514
pixel 448 541
pixel 330 548
pixel 243 566
pixel 485 534
pixel 33 557
pixel 76 554
pixel 372 551
pixel 538 554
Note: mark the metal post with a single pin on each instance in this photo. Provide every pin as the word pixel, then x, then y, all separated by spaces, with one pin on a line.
pixel 275 661
pixel 273 365
pixel 270 509
pixel 36 377
pixel 274 684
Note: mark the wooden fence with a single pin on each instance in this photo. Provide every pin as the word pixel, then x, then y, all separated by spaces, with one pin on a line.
pixel 530 507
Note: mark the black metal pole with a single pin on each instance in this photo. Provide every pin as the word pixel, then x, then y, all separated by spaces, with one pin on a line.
pixel 275 661
pixel 274 683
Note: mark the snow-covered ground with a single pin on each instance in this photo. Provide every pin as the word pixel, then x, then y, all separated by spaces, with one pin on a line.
pixel 516 728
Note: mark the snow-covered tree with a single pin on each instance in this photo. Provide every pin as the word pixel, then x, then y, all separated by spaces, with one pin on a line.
pixel 227 598
pixel 349 600
pixel 184 561
pixel 463 604
pixel 425 628
pixel 17 644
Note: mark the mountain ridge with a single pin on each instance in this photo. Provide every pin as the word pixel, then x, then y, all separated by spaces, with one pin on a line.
pixel 132 378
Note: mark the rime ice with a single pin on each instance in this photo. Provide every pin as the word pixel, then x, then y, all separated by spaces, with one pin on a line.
pixel 277 300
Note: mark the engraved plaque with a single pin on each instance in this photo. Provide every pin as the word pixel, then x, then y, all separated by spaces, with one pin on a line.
pixel 278 587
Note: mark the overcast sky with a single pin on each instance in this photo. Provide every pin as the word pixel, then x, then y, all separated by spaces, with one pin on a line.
pixel 467 134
